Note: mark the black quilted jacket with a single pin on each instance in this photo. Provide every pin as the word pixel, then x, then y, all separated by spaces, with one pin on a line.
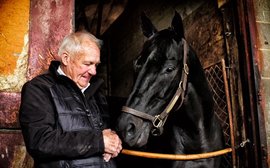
pixel 61 126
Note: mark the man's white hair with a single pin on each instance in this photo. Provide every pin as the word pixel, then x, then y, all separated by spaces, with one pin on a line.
pixel 72 43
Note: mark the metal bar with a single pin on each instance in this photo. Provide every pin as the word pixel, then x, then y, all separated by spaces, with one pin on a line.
pixel 229 112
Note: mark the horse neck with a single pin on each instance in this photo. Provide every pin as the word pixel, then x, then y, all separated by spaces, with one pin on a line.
pixel 198 102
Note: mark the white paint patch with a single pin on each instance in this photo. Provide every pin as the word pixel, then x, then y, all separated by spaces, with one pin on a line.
pixel 15 81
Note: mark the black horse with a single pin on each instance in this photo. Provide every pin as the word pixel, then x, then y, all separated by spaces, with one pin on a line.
pixel 171 100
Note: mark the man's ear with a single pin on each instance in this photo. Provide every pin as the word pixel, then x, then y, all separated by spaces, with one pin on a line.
pixel 65 58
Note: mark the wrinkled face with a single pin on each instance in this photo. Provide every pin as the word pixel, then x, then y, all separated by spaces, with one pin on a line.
pixel 82 66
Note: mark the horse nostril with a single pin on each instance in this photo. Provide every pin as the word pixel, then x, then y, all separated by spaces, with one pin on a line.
pixel 130 129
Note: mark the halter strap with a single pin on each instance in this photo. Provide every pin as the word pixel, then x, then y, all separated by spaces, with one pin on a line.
pixel 138 113
pixel 158 121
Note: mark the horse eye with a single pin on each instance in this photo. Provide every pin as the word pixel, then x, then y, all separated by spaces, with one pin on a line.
pixel 170 69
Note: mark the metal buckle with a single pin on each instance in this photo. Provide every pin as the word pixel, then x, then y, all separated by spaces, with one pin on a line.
pixel 157 122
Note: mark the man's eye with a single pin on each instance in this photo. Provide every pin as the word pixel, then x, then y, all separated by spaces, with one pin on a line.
pixel 90 64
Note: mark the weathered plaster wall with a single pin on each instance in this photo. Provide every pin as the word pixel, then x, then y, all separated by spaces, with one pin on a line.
pixel 50 21
pixel 14 28
pixel 262 10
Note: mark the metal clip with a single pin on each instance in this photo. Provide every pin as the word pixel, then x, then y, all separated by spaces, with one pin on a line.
pixel 186 69
pixel 157 131
pixel 180 84
pixel 243 144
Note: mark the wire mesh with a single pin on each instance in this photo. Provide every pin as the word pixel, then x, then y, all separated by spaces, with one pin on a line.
pixel 215 76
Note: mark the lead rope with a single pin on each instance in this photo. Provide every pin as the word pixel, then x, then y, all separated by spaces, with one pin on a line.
pixel 183 156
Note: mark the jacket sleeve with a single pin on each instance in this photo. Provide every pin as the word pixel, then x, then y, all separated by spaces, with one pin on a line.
pixel 43 137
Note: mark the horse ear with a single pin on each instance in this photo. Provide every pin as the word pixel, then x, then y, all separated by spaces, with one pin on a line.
pixel 147 27
pixel 177 25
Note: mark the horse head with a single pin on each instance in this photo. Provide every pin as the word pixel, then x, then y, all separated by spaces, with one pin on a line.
pixel 160 67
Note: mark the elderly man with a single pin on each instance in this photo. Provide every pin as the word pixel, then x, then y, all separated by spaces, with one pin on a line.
pixel 63 116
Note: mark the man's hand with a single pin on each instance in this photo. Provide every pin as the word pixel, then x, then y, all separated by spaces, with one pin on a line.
pixel 112 144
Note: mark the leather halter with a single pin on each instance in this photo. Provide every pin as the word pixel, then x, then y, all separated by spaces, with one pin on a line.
pixel 158 121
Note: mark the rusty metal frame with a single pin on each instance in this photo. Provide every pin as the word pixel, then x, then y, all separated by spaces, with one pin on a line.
pixel 229 113
pixel 250 80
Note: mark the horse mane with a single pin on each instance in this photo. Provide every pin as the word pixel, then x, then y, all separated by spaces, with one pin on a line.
pixel 196 75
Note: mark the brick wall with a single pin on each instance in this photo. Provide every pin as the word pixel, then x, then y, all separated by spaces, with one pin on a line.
pixel 262 12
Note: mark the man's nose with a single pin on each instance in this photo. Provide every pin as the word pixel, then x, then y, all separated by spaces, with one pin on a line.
pixel 92 70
